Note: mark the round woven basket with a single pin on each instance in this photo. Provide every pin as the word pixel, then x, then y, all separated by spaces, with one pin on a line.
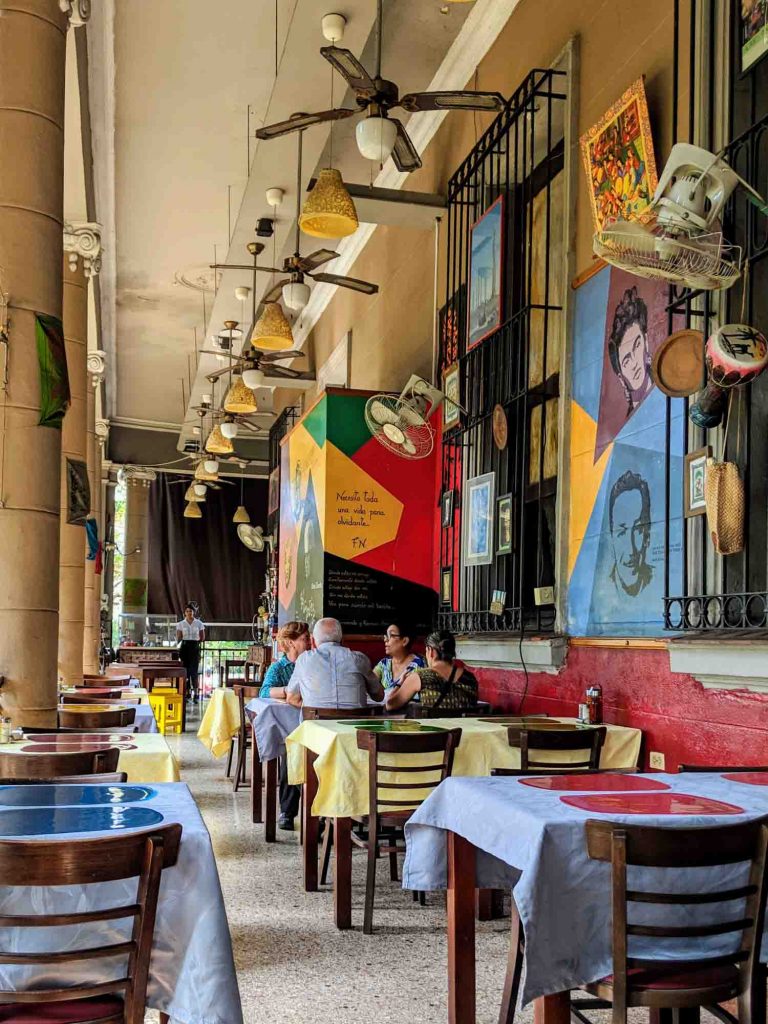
pixel 724 495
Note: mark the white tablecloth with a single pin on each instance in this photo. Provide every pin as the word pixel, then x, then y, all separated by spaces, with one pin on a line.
pixel 272 721
pixel 532 842
pixel 145 720
pixel 192 974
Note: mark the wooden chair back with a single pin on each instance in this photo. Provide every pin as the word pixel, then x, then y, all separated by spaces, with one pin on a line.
pixel 110 679
pixel 82 697
pixel 234 672
pixel 714 768
pixel 244 694
pixel 111 778
pixel 115 718
pixel 532 741
pixel 329 714
pixel 50 766
pixel 391 754
pixel 141 855
pixel 624 846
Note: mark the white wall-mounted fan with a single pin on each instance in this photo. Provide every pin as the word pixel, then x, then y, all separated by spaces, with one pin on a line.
pixel 401 422
pixel 254 537
pixel 679 239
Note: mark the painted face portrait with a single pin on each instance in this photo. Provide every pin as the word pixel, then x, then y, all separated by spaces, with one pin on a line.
pixel 630 525
pixel 628 348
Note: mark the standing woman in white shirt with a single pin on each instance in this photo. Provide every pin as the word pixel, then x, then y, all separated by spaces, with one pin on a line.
pixel 190 632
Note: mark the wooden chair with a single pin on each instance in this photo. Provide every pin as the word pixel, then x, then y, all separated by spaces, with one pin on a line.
pixel 51 766
pixel 84 698
pixel 391 802
pixel 122 1000
pixel 235 672
pixel 244 737
pixel 707 980
pixel 481 710
pixel 588 741
pixel 111 778
pixel 82 720
pixel 331 714
pixel 110 680
pixel 714 768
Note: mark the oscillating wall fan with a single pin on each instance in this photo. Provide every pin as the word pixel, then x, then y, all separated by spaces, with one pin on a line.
pixel 401 422
pixel 254 537
pixel 679 239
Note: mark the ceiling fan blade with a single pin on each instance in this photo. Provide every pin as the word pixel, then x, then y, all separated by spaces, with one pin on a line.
pixel 351 70
pixel 460 99
pixel 301 121
pixel 366 287
pixel 219 352
pixel 252 427
pixel 244 266
pixel 316 259
pixel 404 154
pixel 217 373
pixel 275 357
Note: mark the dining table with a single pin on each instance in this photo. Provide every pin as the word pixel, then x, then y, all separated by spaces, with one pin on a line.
pixel 192 974
pixel 144 757
pixel 527 835
pixel 272 722
pixel 323 756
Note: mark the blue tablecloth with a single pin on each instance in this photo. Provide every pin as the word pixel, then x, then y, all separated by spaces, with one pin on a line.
pixel 272 721
pixel 145 718
pixel 192 972
pixel 530 841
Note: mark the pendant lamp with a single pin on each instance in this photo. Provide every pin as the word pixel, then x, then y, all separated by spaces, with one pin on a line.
pixel 329 211
pixel 191 493
pixel 272 332
pixel 240 399
pixel 202 472
pixel 241 512
pixel 193 511
pixel 229 429
pixel 217 443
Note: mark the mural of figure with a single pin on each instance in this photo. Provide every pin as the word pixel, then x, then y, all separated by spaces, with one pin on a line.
pixel 629 519
pixel 628 348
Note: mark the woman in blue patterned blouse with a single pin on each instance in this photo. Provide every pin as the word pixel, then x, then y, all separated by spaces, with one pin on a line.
pixel 399 660
pixel 292 639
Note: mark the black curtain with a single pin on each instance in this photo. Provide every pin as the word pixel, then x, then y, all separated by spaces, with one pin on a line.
pixel 203 560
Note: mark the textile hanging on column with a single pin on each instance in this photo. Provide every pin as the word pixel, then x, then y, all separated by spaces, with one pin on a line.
pixel 92 536
pixel 54 379
pixel 98 567
pixel 78 492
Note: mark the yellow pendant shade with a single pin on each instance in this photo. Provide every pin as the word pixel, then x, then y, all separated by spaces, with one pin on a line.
pixel 241 515
pixel 329 211
pixel 202 474
pixel 272 332
pixel 240 399
pixel 192 511
pixel 217 443
pixel 190 494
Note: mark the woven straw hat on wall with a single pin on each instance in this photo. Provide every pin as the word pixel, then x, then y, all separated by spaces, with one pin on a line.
pixel 724 495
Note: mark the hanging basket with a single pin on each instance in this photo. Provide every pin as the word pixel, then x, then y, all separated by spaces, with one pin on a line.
pixel 724 496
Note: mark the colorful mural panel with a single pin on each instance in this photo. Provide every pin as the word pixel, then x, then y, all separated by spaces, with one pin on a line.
pixel 618 511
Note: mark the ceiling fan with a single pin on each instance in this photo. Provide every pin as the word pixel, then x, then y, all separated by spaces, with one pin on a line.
pixel 378 134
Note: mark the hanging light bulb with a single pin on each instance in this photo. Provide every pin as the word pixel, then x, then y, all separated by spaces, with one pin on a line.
pixel 240 400
pixel 272 332
pixel 217 443
pixel 376 137
pixel 296 295
pixel 329 211
pixel 229 429
pixel 193 511
pixel 253 378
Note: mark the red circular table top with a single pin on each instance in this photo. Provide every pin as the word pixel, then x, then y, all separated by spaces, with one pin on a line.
pixel 78 737
pixel 606 783
pixel 56 747
pixel 651 803
pixel 748 778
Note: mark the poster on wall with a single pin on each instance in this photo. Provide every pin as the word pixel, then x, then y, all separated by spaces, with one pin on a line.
pixel 754 31
pixel 486 274
pixel 616 549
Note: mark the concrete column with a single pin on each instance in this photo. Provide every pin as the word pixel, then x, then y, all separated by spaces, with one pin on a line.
pixel 32 55
pixel 135 566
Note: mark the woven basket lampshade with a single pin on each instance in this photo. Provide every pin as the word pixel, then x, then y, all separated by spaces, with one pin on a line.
pixel 272 332
pixel 724 495
pixel 240 399
pixel 192 495
pixel 329 211
pixel 241 515
pixel 217 443
pixel 201 473
pixel 193 511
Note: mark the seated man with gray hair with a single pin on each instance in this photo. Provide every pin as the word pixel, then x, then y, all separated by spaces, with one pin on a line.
pixel 332 676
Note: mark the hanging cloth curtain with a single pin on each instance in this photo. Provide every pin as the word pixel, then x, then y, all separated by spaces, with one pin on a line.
pixel 92 536
pixel 54 379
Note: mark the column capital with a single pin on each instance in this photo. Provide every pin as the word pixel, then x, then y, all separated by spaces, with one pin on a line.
pixel 138 476
pixel 83 240
pixel 77 11
pixel 96 364
pixel 102 432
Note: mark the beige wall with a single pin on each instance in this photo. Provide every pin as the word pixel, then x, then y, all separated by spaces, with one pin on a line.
pixel 392 332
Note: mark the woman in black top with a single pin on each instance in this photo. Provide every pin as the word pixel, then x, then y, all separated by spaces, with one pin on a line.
pixel 443 684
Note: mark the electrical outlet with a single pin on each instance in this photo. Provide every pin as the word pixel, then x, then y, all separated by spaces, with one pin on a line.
pixel 544 595
pixel 656 760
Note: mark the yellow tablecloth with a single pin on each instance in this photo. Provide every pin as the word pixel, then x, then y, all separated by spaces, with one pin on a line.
pixel 149 760
pixel 342 769
pixel 128 691
pixel 221 721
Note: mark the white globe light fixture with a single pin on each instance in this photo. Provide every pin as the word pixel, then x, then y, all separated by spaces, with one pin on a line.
pixel 376 138
pixel 200 490
pixel 229 429
pixel 296 295
pixel 253 379
pixel 211 465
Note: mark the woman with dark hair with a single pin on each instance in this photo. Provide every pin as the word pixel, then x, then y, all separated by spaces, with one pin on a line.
pixel 399 659
pixel 442 684
pixel 190 633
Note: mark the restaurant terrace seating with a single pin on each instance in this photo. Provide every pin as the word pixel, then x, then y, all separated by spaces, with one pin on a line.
pixel 54 765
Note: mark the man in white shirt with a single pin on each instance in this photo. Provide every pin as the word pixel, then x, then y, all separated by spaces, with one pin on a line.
pixel 190 633
pixel 332 676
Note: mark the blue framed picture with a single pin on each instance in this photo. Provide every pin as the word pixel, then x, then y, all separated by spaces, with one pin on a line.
pixel 484 308
pixel 478 513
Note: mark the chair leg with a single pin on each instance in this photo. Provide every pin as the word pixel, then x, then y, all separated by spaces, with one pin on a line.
pixel 514 970
pixel 393 875
pixel 229 757
pixel 370 885
pixel 325 856
pixel 240 763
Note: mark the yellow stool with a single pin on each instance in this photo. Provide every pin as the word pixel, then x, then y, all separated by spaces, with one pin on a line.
pixel 167 705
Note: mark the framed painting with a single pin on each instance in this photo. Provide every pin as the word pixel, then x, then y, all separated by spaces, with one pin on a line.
pixel 273 496
pixel 754 31
pixel 619 159
pixel 446 508
pixel 694 503
pixel 478 509
pixel 446 587
pixel 504 525
pixel 486 247
pixel 451 320
pixel 452 400
pixel 78 492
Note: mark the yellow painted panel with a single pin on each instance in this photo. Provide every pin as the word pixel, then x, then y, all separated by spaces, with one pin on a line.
pixel 360 514
pixel 585 479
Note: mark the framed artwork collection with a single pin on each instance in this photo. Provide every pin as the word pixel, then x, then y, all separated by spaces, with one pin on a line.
pixel 478 509
pixel 694 503
pixel 486 271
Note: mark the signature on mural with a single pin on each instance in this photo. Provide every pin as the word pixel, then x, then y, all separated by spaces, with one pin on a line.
pixel 629 520
pixel 628 348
